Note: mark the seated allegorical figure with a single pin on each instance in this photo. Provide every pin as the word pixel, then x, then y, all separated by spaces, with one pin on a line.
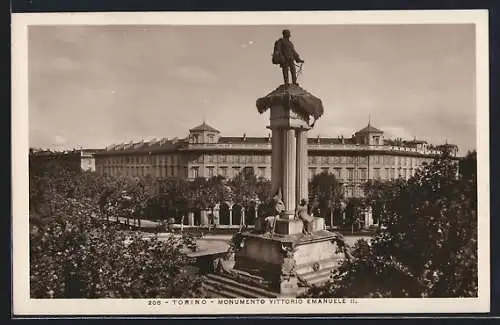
pixel 301 214
pixel 275 207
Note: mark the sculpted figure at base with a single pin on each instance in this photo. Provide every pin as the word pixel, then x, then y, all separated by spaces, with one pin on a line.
pixel 279 208
pixel 301 214
pixel 267 221
pixel 285 55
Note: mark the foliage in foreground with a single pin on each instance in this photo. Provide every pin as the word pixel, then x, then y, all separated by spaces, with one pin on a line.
pixel 426 247
pixel 77 255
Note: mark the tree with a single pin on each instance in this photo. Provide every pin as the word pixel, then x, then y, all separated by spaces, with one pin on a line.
pixel 378 194
pixel 468 165
pixel 326 193
pixel 427 247
pixel 74 254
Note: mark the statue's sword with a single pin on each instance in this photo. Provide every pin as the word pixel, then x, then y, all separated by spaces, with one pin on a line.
pixel 299 70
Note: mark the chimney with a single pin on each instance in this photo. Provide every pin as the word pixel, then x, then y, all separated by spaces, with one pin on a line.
pixel 244 137
pixel 317 139
pixel 268 137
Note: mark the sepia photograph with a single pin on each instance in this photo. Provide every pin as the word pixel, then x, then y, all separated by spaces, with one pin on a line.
pixel 242 163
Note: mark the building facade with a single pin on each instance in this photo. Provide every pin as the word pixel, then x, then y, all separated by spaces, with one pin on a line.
pixel 83 159
pixel 367 155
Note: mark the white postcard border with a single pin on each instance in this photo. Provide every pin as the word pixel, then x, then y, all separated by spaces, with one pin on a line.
pixel 23 305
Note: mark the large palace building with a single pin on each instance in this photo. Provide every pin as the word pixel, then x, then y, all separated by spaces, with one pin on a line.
pixel 206 153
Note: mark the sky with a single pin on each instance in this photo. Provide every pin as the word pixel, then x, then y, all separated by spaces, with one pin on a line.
pixel 92 86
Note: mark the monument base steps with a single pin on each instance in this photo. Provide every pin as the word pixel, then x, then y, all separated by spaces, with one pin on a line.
pixel 277 265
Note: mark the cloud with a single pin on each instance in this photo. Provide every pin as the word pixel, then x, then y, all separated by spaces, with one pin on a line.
pixel 332 131
pixel 245 45
pixel 396 132
pixel 194 74
pixel 60 139
pixel 65 64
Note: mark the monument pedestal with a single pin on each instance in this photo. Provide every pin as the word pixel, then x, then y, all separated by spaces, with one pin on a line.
pixel 288 262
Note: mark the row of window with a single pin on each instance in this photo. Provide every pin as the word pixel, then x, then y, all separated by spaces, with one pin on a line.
pixel 256 159
pixel 228 172
pixel 170 171
pixel 386 160
pixel 361 174
pixel 143 159
pixel 347 174
pixel 241 159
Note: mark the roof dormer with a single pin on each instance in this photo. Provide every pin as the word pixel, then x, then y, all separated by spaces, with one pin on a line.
pixel 369 135
pixel 203 133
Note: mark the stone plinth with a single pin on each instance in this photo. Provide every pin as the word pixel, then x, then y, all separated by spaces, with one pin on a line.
pixel 287 261
pixel 288 227
pixel 295 226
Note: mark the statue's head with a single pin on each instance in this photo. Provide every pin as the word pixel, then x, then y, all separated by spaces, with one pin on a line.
pixel 286 33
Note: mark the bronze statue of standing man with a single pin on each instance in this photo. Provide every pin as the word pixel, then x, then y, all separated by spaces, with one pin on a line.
pixel 286 56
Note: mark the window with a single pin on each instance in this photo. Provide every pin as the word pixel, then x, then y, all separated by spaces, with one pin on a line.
pixel 350 174
pixel 324 170
pixel 387 173
pixel 211 138
pixel 337 172
pixel 236 171
pixel 194 172
pixel 311 172
pixel 376 140
pixel 172 170
pixel 376 173
pixel 248 170
pixel 324 160
pixel 362 174
pixel 210 172
pixel 223 171
pixel 393 173
pixel 262 172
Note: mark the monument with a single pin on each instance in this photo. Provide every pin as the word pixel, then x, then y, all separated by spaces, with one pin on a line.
pixel 288 250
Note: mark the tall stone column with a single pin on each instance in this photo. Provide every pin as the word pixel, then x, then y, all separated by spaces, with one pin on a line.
pixel 302 164
pixel 276 159
pixel 289 156
pixel 191 218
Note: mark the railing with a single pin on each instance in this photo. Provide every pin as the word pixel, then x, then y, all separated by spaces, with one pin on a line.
pixel 313 146
pixel 229 146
